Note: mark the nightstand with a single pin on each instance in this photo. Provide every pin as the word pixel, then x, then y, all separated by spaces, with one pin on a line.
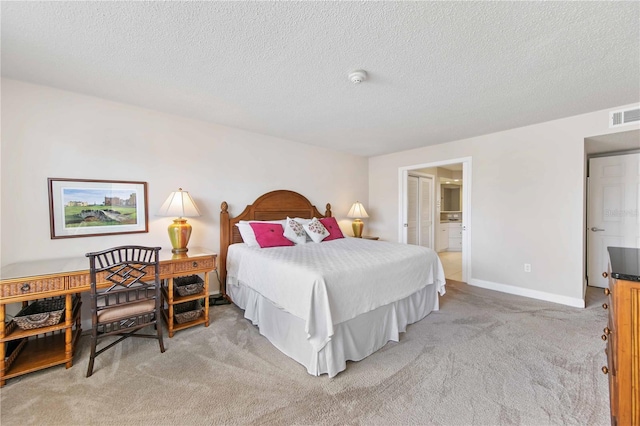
pixel 196 261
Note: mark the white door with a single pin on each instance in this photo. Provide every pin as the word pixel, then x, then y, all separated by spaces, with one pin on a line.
pixel 426 211
pixel 420 210
pixel 413 198
pixel 613 210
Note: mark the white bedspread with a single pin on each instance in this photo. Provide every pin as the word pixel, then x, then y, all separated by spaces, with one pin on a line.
pixel 334 281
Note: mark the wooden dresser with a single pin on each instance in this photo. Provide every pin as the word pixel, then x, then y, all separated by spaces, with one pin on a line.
pixel 622 335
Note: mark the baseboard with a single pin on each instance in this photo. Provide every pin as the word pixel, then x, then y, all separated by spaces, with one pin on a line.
pixel 526 292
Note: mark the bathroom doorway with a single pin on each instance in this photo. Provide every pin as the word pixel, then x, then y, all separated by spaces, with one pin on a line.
pixel 451 213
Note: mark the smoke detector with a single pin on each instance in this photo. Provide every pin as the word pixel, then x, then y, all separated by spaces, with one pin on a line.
pixel 358 76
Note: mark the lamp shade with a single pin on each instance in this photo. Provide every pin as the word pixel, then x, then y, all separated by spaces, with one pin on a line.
pixel 357 211
pixel 179 204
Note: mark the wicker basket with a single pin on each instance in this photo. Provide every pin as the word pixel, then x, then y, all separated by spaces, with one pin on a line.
pixel 186 286
pixel 188 311
pixel 41 313
pixel 12 350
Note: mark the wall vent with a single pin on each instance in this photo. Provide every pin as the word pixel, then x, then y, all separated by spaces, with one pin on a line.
pixel 624 117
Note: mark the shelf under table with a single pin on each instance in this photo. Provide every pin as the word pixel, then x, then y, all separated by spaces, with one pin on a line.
pixel 202 319
pixel 39 353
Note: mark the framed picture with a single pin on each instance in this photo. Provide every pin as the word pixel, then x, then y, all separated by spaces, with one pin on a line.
pixel 87 208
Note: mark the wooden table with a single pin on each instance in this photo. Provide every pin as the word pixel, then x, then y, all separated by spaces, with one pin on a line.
pixel 24 282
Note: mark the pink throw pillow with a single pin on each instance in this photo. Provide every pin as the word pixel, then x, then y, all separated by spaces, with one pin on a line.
pixel 270 235
pixel 332 226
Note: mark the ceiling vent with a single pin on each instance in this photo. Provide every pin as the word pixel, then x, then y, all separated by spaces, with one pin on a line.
pixel 624 117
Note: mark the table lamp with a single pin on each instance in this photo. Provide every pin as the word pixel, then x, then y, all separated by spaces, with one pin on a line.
pixel 179 204
pixel 357 211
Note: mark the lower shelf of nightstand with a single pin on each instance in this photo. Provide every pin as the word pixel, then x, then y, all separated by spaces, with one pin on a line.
pixel 172 328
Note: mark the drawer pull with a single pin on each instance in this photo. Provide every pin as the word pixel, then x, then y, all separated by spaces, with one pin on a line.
pixel 605 306
pixel 607 330
pixel 25 287
pixel 605 275
pixel 194 264
pixel 604 337
pixel 605 370
pixel 607 291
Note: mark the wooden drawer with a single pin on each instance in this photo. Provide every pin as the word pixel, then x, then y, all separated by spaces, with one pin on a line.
pixel 165 269
pixel 83 280
pixel 25 287
pixel 194 265
pixel 612 346
pixel 613 398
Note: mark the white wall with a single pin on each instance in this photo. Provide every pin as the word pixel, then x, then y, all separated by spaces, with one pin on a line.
pixel 53 133
pixel 527 202
pixel 527 183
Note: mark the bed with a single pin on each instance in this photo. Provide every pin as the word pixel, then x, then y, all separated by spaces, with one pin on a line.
pixel 323 304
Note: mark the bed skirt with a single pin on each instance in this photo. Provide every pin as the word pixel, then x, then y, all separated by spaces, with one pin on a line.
pixel 353 340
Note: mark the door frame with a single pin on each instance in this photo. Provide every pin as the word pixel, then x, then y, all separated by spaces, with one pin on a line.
pixel 587 206
pixel 432 240
pixel 403 173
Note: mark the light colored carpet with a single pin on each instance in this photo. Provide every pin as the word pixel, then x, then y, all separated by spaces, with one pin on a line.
pixel 485 358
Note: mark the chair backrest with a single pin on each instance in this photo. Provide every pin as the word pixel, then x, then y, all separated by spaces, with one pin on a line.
pixel 132 271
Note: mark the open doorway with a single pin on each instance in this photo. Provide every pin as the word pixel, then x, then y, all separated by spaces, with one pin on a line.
pixel 450 220
pixel 449 217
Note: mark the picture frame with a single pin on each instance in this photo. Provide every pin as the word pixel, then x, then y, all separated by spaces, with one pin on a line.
pixel 89 207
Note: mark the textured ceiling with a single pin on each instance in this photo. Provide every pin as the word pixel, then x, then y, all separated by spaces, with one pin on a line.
pixel 438 71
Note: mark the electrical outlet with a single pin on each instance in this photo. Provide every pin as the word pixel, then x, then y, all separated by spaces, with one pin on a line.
pixel 527 267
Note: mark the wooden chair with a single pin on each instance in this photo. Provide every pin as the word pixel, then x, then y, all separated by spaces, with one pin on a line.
pixel 131 298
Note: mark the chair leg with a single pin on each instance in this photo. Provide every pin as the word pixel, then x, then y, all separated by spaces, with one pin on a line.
pixel 92 357
pixel 159 332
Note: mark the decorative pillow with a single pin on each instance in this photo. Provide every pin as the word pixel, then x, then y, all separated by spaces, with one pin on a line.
pixel 316 230
pixel 304 222
pixel 248 237
pixel 247 233
pixel 331 225
pixel 294 231
pixel 269 234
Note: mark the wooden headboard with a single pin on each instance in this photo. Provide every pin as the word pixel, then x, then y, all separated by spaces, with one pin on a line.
pixel 274 205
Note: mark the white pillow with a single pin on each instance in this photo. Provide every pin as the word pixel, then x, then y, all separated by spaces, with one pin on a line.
pixel 316 230
pixel 303 222
pixel 246 231
pixel 294 231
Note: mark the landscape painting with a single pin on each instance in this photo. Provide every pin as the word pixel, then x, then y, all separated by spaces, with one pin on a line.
pixel 83 208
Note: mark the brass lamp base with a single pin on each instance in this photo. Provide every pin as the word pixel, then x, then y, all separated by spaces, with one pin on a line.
pixel 357 226
pixel 179 234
